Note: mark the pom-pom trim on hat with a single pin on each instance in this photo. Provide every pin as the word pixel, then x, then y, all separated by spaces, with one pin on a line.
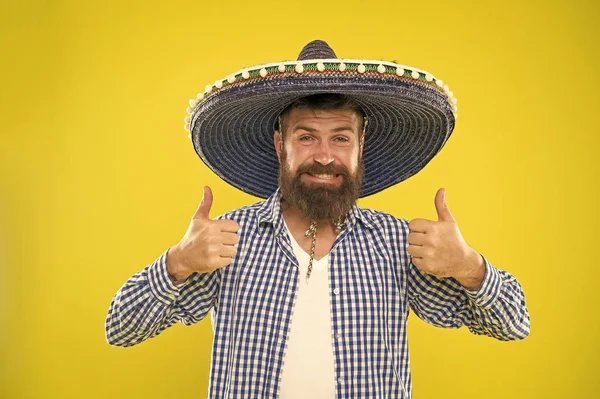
pixel 323 66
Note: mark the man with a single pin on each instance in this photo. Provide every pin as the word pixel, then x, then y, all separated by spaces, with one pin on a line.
pixel 309 293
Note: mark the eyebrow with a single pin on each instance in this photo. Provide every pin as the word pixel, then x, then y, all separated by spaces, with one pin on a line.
pixel 336 130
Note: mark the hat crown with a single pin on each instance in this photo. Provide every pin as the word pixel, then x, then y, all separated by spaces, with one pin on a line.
pixel 315 50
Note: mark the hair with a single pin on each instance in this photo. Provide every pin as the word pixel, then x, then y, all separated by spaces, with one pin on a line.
pixel 324 102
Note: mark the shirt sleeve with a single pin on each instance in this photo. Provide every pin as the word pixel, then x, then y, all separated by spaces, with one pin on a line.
pixel 497 309
pixel 148 303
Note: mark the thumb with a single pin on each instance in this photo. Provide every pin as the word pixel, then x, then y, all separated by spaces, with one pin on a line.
pixel 204 207
pixel 441 207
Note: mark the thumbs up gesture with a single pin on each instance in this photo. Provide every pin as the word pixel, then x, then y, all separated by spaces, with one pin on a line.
pixel 438 248
pixel 206 246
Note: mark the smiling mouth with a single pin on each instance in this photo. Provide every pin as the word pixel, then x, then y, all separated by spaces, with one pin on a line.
pixel 324 176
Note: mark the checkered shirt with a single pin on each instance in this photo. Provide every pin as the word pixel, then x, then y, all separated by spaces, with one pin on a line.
pixel 373 286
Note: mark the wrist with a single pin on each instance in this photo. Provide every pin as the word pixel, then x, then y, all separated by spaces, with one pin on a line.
pixel 474 271
pixel 176 270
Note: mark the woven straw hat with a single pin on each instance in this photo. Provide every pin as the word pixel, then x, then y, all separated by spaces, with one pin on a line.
pixel 411 116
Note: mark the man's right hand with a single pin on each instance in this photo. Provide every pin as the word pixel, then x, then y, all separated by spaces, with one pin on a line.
pixel 207 245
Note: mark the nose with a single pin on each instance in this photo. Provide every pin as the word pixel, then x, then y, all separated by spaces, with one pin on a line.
pixel 323 154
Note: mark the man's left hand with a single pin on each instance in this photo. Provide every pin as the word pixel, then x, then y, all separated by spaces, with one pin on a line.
pixel 439 249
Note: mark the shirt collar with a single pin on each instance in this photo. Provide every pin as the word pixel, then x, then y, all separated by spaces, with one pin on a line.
pixel 269 214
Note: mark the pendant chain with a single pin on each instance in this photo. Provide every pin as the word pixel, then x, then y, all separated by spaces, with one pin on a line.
pixel 312 231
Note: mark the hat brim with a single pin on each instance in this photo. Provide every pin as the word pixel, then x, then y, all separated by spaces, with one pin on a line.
pixel 410 120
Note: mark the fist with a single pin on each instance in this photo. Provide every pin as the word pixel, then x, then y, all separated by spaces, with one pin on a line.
pixel 206 246
pixel 438 248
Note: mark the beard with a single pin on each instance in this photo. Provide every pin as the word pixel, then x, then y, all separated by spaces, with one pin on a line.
pixel 320 201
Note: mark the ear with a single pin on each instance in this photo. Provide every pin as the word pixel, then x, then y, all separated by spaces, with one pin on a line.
pixel 278 143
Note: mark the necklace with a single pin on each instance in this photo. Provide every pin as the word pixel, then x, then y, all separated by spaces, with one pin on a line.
pixel 312 231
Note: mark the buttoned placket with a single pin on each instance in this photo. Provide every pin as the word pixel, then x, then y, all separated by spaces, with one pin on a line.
pixel 335 298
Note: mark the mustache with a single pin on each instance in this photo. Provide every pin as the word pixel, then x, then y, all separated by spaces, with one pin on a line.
pixel 316 168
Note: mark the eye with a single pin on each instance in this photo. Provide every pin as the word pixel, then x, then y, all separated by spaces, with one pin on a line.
pixel 305 138
pixel 341 139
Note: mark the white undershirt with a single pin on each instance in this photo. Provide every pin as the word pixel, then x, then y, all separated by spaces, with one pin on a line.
pixel 308 362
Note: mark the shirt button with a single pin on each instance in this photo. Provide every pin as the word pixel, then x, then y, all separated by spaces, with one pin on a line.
pixel 340 380
pixel 338 336
pixel 336 291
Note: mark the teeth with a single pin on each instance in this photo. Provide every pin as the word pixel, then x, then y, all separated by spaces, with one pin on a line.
pixel 325 176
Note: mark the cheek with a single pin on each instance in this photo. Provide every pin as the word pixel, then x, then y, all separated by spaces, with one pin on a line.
pixel 352 159
pixel 290 158
pixel 298 156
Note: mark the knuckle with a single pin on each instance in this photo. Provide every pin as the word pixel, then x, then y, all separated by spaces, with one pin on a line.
pixel 212 251
pixel 228 224
pixel 429 253
pixel 212 229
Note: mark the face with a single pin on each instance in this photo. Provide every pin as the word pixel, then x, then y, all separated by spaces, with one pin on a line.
pixel 320 162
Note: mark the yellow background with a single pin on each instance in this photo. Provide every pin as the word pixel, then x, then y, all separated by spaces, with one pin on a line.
pixel 98 177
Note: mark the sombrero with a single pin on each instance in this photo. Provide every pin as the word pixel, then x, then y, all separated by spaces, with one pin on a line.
pixel 411 116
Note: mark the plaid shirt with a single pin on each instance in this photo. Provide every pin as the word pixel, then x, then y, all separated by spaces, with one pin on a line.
pixel 373 284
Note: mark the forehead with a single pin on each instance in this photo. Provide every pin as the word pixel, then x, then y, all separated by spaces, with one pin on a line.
pixel 325 119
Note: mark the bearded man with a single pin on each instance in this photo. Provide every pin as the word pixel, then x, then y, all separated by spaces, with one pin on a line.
pixel 310 293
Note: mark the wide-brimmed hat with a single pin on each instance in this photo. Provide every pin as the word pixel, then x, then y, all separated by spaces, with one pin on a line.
pixel 411 115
